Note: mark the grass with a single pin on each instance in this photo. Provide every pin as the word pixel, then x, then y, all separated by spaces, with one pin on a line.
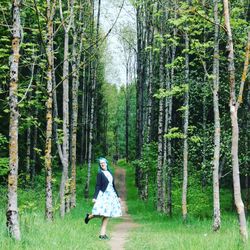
pixel 158 231
pixel 68 233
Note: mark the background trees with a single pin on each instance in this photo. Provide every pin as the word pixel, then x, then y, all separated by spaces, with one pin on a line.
pixel 171 121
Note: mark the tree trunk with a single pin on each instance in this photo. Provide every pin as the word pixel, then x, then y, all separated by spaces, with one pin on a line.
pixel 170 107
pixel 34 154
pixel 64 194
pixel 127 109
pixel 160 172
pixel 234 104
pixel 92 108
pixel 75 85
pixel 216 161
pixel 28 153
pixel 185 148
pixel 83 112
pixel 48 165
pixel 138 94
pixel 64 179
pixel 12 209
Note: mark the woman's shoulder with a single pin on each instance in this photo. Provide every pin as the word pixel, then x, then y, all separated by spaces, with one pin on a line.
pixel 99 173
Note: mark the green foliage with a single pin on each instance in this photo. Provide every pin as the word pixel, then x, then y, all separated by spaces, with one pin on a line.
pixel 4 166
pixel 3 140
pixel 175 91
pixel 174 133
pixel 148 161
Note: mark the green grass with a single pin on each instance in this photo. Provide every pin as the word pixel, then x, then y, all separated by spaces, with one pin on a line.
pixel 68 233
pixel 157 231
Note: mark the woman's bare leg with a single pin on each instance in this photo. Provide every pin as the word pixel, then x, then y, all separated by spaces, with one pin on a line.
pixel 91 216
pixel 104 225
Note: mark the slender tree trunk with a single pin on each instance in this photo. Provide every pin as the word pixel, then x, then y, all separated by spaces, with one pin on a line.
pixel 34 155
pixel 185 148
pixel 12 209
pixel 28 153
pixel 139 99
pixel 160 172
pixel 127 109
pixel 216 161
pixel 149 76
pixel 165 140
pixel 204 130
pixel 64 186
pixel 92 109
pixel 48 144
pixel 234 104
pixel 83 111
pixel 64 179
pixel 170 107
pixel 55 112
pixel 75 86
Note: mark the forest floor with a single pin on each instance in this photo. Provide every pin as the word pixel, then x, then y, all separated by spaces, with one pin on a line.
pixel 120 233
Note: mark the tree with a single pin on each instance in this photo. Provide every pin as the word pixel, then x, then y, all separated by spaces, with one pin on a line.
pixel 12 210
pixel 234 105
pixel 48 165
pixel 216 191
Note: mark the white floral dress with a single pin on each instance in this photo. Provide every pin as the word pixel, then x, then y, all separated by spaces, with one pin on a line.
pixel 107 203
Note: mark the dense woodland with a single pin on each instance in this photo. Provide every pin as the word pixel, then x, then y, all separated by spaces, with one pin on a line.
pixel 182 118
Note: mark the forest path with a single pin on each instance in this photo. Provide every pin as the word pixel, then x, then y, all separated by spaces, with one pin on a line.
pixel 120 233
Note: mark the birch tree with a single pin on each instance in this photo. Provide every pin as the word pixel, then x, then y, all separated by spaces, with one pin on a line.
pixel 92 108
pixel 64 180
pixel 216 160
pixel 48 166
pixel 234 105
pixel 12 209
pixel 185 131
pixel 76 56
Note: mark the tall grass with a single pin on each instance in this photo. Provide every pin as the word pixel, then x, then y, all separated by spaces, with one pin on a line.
pixel 158 231
pixel 68 233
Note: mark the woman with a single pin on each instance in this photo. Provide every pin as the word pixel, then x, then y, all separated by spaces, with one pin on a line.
pixel 106 199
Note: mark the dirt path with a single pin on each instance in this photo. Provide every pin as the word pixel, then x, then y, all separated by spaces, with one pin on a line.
pixel 120 232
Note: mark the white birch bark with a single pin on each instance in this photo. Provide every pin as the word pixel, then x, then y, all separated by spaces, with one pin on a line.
pixel 185 148
pixel 48 144
pixel 216 160
pixel 92 108
pixel 76 55
pixel 160 191
pixel 234 104
pixel 64 200
pixel 12 209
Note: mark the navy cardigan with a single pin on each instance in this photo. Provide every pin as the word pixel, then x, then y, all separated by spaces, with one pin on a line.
pixel 102 183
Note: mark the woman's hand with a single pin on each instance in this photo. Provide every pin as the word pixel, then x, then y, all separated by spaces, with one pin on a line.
pixel 94 200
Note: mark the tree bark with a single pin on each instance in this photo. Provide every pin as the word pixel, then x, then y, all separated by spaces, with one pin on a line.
pixel 234 104
pixel 92 107
pixel 186 120
pixel 76 54
pixel 160 172
pixel 64 199
pixel 48 144
pixel 216 159
pixel 12 209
